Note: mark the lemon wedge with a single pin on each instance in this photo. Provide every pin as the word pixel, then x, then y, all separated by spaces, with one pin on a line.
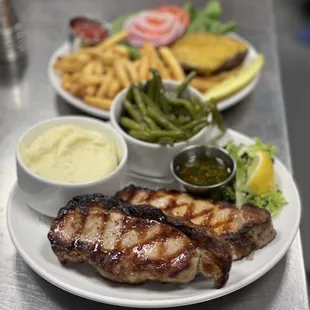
pixel 261 174
pixel 236 82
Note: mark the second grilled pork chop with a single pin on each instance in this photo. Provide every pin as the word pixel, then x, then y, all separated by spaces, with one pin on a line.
pixel 133 244
pixel 246 229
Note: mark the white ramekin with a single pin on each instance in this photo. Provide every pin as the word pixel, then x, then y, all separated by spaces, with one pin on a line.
pixel 46 196
pixel 150 159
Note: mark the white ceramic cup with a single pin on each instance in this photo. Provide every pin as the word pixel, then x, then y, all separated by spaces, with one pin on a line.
pixel 46 196
pixel 150 159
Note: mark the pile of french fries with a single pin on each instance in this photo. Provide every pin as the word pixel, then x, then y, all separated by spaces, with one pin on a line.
pixel 98 73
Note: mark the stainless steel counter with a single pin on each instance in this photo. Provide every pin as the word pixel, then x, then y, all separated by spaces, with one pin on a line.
pixel 26 97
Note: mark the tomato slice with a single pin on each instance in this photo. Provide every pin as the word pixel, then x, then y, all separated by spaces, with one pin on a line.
pixel 180 14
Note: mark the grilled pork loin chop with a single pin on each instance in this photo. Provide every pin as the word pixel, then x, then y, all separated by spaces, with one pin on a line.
pixel 246 229
pixel 133 244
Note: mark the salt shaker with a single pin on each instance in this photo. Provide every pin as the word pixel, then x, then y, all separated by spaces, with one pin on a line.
pixel 12 45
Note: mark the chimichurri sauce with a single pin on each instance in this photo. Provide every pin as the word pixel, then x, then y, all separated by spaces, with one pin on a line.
pixel 203 171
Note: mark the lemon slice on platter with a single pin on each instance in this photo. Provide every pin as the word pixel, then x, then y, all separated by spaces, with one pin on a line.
pixel 236 82
pixel 261 174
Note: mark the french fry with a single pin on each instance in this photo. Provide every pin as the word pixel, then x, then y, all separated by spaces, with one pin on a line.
pixel 89 67
pixel 144 69
pixel 113 40
pixel 107 58
pixel 98 68
pixel 90 79
pixel 68 66
pixel 114 88
pixel 131 70
pixel 155 61
pixel 90 90
pixel 81 56
pixel 172 63
pixel 164 72
pixel 75 77
pixel 76 89
pixel 100 103
pixel 136 65
pixel 105 84
pixel 121 73
pixel 121 51
pixel 66 84
pixel 149 51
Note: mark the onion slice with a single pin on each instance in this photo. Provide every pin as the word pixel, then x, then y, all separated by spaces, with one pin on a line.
pixel 158 28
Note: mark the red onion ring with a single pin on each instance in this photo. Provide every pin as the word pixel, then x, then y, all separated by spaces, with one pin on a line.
pixel 142 31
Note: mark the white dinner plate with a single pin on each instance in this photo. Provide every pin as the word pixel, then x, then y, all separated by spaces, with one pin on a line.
pixel 64 49
pixel 29 229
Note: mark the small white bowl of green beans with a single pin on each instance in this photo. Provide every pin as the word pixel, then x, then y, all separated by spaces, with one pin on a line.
pixel 158 119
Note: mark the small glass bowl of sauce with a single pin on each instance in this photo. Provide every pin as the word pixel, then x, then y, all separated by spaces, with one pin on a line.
pixel 201 168
pixel 86 32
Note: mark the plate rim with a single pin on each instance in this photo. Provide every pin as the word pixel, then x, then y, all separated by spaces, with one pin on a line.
pixel 79 104
pixel 176 302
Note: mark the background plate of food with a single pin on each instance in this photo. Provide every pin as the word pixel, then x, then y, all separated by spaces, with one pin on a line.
pixel 29 229
pixel 174 40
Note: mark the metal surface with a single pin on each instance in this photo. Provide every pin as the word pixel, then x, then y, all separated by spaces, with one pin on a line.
pixel 26 97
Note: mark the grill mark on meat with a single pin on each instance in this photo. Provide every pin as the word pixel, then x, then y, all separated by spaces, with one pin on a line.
pixel 158 232
pixel 246 229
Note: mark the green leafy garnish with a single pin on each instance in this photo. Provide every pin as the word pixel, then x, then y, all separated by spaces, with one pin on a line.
pixel 134 52
pixel 192 11
pixel 273 200
pixel 118 24
pixel 258 145
pixel 236 193
pixel 213 10
pixel 208 20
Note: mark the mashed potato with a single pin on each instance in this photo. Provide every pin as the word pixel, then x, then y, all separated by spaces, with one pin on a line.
pixel 70 154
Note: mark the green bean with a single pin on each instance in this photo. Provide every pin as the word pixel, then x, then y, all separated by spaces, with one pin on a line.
pixel 180 102
pixel 155 135
pixel 148 101
pixel 140 86
pixel 217 116
pixel 184 119
pixel 157 77
pixel 165 107
pixel 168 133
pixel 199 127
pixel 152 89
pixel 141 135
pixel 195 122
pixel 133 111
pixel 179 91
pixel 197 104
pixel 150 123
pixel 129 95
pixel 172 118
pixel 166 141
pixel 160 119
pixel 139 101
pixel 146 86
pixel 159 87
pixel 130 124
